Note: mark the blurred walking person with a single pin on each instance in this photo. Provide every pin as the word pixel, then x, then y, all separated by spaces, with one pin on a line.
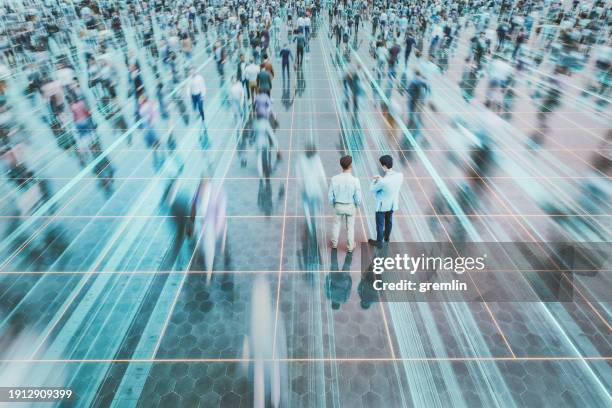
pixel 286 57
pixel 197 90
pixel 313 183
pixel 210 225
pixel 146 111
pixel 237 98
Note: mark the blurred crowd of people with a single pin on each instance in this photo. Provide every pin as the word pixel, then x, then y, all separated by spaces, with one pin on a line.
pixel 80 79
pixel 96 74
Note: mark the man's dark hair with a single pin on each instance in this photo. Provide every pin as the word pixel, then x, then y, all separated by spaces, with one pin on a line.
pixel 386 161
pixel 346 162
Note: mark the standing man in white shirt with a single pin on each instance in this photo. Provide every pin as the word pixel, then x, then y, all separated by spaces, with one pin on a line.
pixel 345 196
pixel 386 190
pixel 197 90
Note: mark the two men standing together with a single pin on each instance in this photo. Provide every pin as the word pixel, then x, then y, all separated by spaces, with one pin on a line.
pixel 345 196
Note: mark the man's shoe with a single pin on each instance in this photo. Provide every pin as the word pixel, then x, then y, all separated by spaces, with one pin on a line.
pixel 374 242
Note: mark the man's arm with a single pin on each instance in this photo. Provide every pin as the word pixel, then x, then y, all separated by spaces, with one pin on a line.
pixel 374 186
pixel 357 193
pixel 330 194
pixel 378 184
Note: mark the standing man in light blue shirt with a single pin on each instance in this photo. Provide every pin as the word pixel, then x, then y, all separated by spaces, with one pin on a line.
pixel 345 196
pixel 386 190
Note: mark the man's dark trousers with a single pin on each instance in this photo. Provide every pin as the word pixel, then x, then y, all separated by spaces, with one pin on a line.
pixel 286 70
pixel 384 222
